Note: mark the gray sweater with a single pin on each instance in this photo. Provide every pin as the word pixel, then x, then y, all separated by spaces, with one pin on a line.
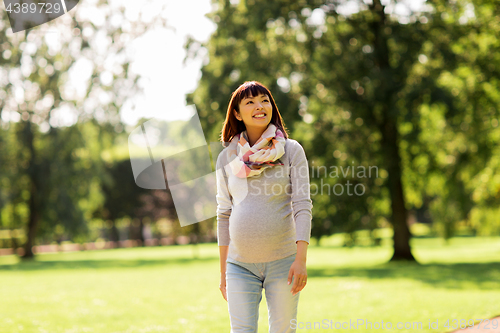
pixel 262 217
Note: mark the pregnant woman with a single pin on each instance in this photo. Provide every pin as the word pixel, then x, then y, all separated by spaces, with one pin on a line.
pixel 263 212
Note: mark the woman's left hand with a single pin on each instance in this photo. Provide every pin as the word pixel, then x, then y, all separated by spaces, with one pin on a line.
pixel 299 271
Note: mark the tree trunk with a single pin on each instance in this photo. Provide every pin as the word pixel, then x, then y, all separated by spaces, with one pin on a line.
pixel 141 232
pixel 399 216
pixel 196 240
pixel 33 202
pixel 390 138
pixel 13 241
pixel 114 235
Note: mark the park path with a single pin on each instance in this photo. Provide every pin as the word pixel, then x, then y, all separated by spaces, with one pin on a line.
pixel 482 328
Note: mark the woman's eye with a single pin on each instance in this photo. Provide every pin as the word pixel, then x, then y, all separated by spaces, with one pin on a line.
pixel 266 100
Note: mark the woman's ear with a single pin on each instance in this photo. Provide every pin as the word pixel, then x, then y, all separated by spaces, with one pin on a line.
pixel 237 115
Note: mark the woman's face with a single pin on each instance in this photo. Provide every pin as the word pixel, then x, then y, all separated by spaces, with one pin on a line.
pixel 251 107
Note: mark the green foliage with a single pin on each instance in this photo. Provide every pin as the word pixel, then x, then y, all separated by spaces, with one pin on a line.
pixel 355 90
pixel 53 172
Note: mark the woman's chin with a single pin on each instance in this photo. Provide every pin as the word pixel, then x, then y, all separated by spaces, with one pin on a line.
pixel 260 124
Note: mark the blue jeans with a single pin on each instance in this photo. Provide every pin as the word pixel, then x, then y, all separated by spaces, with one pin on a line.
pixel 244 283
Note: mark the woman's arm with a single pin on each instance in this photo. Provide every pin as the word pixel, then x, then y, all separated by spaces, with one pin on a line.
pixel 298 269
pixel 301 251
pixel 223 257
pixel 301 193
pixel 224 208
pixel 302 211
pixel 224 202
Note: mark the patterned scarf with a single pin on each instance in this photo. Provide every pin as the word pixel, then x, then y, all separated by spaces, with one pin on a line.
pixel 249 161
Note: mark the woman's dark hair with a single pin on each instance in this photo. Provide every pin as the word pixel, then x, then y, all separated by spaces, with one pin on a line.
pixel 233 126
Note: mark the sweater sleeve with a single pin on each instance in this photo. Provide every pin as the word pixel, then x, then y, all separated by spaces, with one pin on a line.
pixel 224 203
pixel 301 199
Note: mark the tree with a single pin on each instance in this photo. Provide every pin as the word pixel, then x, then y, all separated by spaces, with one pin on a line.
pixel 123 198
pixel 353 89
pixel 41 71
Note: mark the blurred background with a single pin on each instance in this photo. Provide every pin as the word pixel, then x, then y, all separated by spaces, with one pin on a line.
pixel 400 97
pixel 396 103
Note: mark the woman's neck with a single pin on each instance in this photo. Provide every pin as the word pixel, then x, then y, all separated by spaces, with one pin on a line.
pixel 254 135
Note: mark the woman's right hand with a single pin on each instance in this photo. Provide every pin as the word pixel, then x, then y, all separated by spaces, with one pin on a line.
pixel 223 266
pixel 222 286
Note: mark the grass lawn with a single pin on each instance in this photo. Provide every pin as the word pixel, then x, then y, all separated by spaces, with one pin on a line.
pixel 163 289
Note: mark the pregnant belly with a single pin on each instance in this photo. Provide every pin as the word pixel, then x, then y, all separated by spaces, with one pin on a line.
pixel 256 230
